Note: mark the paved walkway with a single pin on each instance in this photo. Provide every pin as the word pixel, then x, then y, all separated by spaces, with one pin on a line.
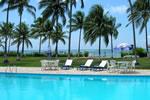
pixel 36 70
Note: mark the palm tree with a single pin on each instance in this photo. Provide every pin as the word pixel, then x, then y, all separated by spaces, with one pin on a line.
pixel 47 33
pixel 55 9
pixel 72 3
pixel 38 30
pixel 95 26
pixel 21 5
pixel 58 35
pixel 77 24
pixel 131 13
pixel 141 16
pixel 6 30
pixel 24 38
pixel 113 28
pixel 9 4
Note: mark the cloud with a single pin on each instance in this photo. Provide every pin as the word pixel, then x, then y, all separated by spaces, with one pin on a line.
pixel 121 9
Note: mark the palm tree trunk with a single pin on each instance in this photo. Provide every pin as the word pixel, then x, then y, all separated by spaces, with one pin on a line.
pixel 49 43
pixel 70 30
pixel 49 47
pixel 112 51
pixel 79 43
pixel 6 39
pixel 146 34
pixel 133 26
pixel 18 44
pixel 18 49
pixel 99 46
pixel 56 49
pixel 9 44
pixel 40 44
pixel 7 21
pixel 23 46
pixel 18 58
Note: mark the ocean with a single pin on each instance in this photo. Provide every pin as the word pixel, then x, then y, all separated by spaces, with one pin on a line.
pixel 92 52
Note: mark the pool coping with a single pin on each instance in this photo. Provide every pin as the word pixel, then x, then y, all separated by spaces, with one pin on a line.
pixel 62 74
pixel 37 71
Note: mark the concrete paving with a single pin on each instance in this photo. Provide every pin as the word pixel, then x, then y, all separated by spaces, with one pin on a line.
pixel 37 70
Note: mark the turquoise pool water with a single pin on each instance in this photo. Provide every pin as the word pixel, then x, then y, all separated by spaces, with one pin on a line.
pixel 61 87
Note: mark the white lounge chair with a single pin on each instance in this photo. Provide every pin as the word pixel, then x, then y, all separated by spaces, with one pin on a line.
pixel 44 64
pixel 87 65
pixel 112 67
pixel 49 64
pixel 124 67
pixel 103 65
pixel 68 64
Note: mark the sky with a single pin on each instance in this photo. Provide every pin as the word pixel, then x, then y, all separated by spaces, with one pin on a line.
pixel 116 8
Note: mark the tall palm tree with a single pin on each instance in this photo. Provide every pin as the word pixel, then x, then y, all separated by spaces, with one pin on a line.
pixel 113 29
pixel 24 38
pixel 21 5
pixel 77 24
pixel 58 35
pixel 71 3
pixel 38 30
pixel 95 26
pixel 9 4
pixel 141 15
pixel 131 13
pixel 55 10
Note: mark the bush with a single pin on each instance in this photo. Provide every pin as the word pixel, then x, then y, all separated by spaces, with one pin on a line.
pixel 126 53
pixel 38 54
pixel 12 53
pixel 35 54
pixel 140 52
pixel 86 54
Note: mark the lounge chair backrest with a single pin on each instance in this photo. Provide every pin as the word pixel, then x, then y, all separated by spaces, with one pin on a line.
pixel 133 63
pixel 68 62
pixel 103 63
pixel 88 62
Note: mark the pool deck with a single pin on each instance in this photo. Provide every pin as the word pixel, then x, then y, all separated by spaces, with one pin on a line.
pixel 37 70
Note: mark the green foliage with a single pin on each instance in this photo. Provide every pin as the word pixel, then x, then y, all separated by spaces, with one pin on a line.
pixel 54 10
pixel 23 38
pixel 86 54
pixel 36 54
pixel 126 53
pixel 12 54
pixel 21 5
pixel 140 52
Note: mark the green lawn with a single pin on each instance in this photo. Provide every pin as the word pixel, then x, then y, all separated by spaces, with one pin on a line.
pixel 35 61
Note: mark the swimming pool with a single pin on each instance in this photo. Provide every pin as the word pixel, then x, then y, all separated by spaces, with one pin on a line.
pixel 73 87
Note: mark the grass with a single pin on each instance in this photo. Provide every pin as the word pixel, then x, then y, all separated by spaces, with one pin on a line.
pixel 144 63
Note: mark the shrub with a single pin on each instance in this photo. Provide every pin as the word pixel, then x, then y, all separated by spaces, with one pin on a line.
pixel 140 52
pixel 12 53
pixel 126 53
pixel 36 54
pixel 86 54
